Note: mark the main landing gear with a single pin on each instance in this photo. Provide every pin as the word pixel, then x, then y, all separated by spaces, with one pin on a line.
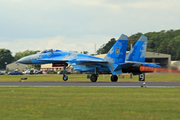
pixel 114 78
pixel 93 77
pixel 65 78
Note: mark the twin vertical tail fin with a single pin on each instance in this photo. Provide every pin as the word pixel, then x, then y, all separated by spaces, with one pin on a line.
pixel 138 52
pixel 117 53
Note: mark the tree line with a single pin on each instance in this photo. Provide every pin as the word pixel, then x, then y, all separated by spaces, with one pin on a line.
pixel 167 42
pixel 7 58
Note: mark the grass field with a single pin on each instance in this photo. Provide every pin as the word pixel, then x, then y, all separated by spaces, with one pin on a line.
pixel 154 77
pixel 87 103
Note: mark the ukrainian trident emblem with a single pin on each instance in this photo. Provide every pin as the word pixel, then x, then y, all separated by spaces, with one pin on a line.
pixel 117 50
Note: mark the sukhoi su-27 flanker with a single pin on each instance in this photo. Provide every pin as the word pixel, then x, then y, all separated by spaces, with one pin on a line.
pixel 116 61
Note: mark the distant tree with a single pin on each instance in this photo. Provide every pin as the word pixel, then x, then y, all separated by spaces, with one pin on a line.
pixel 5 58
pixel 85 52
pixel 177 47
pixel 106 47
pixel 74 51
pixel 163 48
pixel 19 55
pixel 174 47
pixel 178 54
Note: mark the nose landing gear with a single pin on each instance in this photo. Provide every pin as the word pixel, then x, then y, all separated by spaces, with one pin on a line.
pixel 65 78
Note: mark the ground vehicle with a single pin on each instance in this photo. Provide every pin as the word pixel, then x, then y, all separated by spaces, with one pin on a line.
pixel 1 73
pixel 51 72
pixel 62 71
pixel 35 72
pixel 26 72
pixel 14 73
pixel 44 72
pixel 39 72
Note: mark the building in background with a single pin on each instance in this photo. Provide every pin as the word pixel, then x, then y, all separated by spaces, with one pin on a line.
pixel 49 67
pixel 16 66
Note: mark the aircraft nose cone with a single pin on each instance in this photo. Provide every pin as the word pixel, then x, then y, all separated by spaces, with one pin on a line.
pixel 25 60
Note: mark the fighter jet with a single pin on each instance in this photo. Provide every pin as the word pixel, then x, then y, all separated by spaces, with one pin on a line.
pixel 113 62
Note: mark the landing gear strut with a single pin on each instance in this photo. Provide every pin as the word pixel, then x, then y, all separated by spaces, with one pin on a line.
pixel 114 78
pixel 94 76
pixel 65 78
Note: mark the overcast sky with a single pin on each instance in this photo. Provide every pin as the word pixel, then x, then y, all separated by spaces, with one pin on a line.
pixel 69 25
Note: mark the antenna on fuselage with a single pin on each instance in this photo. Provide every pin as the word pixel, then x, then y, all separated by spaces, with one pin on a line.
pixel 51 50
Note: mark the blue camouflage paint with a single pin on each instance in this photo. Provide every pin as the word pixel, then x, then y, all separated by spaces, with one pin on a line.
pixel 138 52
pixel 117 53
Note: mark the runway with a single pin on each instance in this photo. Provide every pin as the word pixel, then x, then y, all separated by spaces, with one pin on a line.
pixel 89 84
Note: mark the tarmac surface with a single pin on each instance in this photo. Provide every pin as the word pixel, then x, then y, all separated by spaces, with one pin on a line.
pixel 90 84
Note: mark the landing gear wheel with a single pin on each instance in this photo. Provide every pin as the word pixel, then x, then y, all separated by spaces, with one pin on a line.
pixel 65 78
pixel 93 78
pixel 114 78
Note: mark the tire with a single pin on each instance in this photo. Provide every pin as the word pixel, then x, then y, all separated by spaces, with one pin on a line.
pixel 114 78
pixel 93 78
pixel 65 78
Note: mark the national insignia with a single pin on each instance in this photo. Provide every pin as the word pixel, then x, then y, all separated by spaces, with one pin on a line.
pixel 117 50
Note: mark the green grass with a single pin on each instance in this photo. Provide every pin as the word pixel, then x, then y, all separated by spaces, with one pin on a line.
pixel 87 103
pixel 153 77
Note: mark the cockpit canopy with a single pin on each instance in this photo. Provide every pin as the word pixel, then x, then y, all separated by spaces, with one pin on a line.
pixel 50 50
